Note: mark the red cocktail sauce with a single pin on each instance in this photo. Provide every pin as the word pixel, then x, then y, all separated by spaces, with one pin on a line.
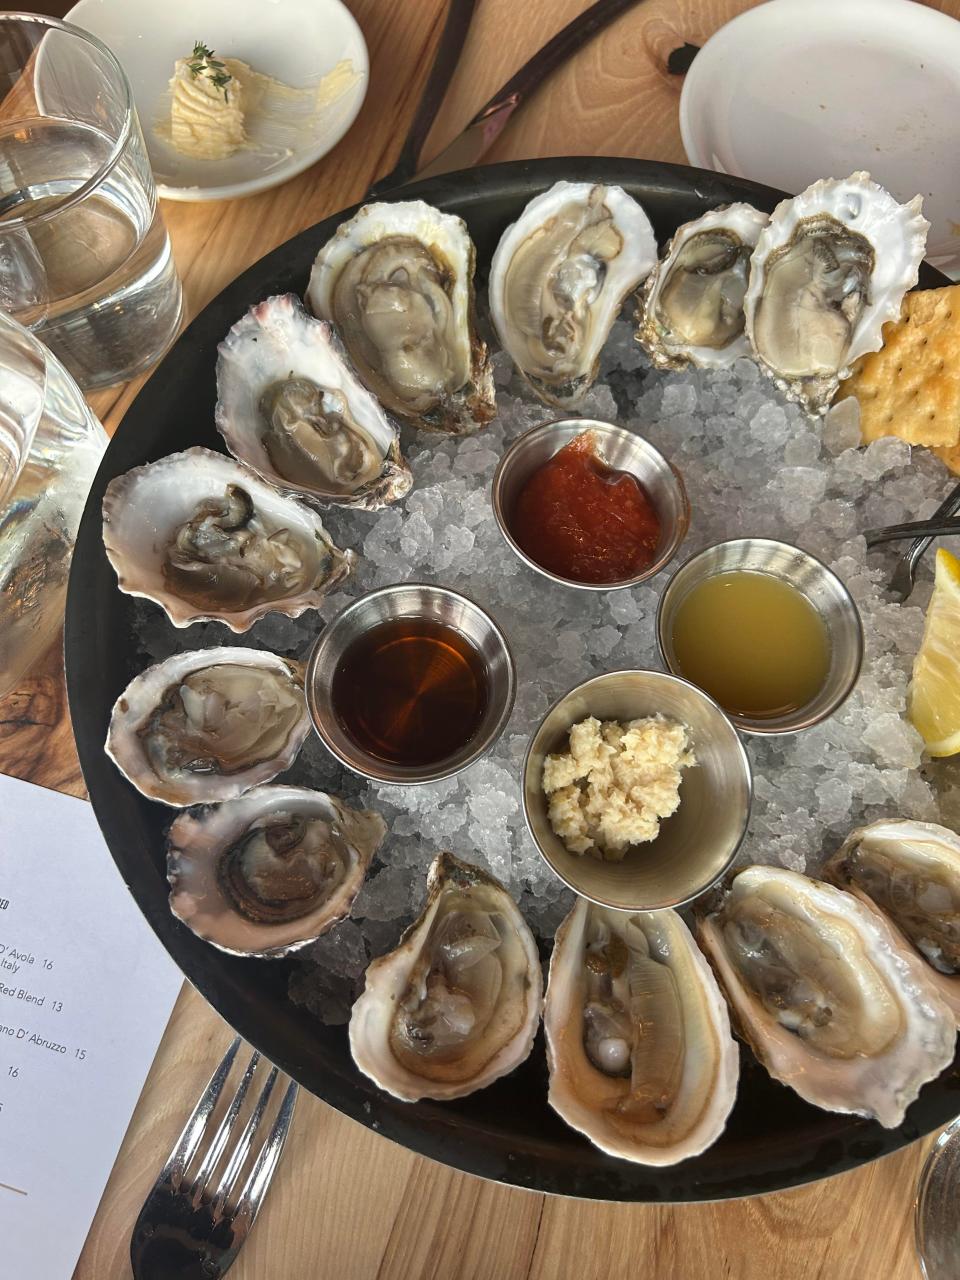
pixel 582 520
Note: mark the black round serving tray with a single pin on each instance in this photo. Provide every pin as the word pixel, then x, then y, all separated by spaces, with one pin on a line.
pixel 506 1131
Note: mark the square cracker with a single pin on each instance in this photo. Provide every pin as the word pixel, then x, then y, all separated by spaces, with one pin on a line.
pixel 911 387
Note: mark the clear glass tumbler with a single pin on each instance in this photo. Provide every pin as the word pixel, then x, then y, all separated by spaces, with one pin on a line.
pixel 50 448
pixel 937 1213
pixel 85 260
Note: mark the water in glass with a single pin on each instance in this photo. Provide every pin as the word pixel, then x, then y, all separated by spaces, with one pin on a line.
pixel 85 261
pixel 50 448
pixel 95 278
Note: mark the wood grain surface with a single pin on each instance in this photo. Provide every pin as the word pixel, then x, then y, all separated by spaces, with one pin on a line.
pixel 347 1204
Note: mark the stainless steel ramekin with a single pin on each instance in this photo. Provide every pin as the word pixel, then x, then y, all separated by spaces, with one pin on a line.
pixel 818 584
pixel 620 449
pixel 410 600
pixel 696 844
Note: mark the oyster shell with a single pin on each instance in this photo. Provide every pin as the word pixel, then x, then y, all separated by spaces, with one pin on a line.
pixel 206 539
pixel 830 268
pixel 209 724
pixel 638 1037
pixel 397 282
pixel 290 407
pixel 270 871
pixel 911 872
pixel 457 1004
pixel 558 279
pixel 692 306
pixel 832 1001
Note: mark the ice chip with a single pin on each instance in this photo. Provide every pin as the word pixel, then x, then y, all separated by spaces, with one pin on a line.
pixel 841 425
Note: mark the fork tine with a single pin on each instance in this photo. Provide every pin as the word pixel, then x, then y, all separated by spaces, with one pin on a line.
pixel 216 1147
pixel 242 1149
pixel 259 1180
pixel 189 1139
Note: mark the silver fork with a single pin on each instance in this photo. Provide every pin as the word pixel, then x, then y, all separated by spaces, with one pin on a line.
pixel 193 1227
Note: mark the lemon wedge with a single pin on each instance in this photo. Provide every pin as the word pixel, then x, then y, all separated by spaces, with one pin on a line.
pixel 933 701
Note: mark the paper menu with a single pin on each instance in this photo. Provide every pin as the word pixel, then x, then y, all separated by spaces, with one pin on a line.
pixel 85 994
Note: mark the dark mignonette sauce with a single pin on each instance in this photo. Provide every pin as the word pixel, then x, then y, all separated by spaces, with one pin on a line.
pixel 410 691
pixel 584 521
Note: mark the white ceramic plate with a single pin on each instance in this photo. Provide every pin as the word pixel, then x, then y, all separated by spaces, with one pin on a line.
pixel 297 42
pixel 797 90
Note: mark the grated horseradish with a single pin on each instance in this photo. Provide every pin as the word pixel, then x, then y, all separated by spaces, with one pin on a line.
pixel 615 782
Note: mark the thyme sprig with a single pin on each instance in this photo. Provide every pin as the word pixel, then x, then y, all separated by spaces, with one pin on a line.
pixel 204 63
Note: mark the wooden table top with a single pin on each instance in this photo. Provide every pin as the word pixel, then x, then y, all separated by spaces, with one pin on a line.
pixel 346 1203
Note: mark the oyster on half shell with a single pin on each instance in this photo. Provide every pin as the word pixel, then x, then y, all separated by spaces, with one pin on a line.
pixel 638 1037
pixel 290 407
pixel 691 311
pixel 206 539
pixel 831 999
pixel 911 872
pixel 457 1004
pixel 268 872
pixel 558 278
pixel 830 268
pixel 397 283
pixel 209 724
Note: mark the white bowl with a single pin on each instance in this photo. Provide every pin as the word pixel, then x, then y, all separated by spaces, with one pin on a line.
pixel 796 90
pixel 297 42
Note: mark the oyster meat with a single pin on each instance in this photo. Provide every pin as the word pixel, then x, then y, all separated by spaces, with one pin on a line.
pixel 209 724
pixel 830 268
pixel 911 872
pixel 457 1004
pixel 270 871
pixel 290 407
pixel 397 283
pixel 207 539
pixel 558 279
pixel 639 1047
pixel 833 1002
pixel 692 306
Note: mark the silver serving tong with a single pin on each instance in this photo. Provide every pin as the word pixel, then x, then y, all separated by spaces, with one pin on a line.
pixel 922 532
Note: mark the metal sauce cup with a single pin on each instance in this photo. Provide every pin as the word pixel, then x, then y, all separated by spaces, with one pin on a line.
pixel 620 449
pixel 818 584
pixel 696 844
pixel 410 600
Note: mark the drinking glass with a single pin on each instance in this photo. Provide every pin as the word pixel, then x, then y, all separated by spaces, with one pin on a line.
pixel 938 1208
pixel 85 260
pixel 50 448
